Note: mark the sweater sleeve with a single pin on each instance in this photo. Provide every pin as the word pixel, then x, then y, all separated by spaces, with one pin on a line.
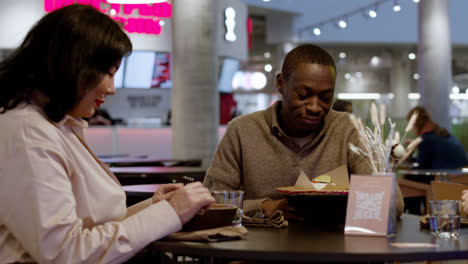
pixel 225 172
pixel 39 208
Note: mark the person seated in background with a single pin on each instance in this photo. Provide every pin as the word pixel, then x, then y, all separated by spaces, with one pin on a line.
pixel 58 202
pixel 262 151
pixel 438 149
pixel 100 118
pixel 464 199
pixel 343 106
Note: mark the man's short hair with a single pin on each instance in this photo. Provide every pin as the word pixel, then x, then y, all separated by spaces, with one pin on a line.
pixel 306 53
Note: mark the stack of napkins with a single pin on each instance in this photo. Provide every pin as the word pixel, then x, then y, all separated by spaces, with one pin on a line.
pixel 276 220
pixel 225 233
pixel 334 180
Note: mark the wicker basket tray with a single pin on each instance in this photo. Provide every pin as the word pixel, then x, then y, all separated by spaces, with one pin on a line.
pixel 291 190
pixel 318 207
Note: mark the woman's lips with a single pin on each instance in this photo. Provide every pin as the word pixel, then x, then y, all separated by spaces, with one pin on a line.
pixel 99 102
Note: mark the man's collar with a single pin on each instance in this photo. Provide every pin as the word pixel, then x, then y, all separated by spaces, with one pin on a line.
pixel 275 111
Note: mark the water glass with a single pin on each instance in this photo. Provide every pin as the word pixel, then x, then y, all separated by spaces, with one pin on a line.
pixel 231 197
pixel 444 218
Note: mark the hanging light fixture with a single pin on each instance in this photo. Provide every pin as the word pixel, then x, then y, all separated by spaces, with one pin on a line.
pixel 342 23
pixel 317 31
pixel 396 6
pixel 135 1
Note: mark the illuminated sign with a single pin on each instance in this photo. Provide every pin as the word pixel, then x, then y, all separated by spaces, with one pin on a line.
pixel 146 21
pixel 230 23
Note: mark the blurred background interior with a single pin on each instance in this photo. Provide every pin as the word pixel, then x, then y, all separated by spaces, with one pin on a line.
pixel 377 56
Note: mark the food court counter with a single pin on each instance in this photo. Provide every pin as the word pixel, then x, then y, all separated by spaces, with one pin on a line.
pixel 110 140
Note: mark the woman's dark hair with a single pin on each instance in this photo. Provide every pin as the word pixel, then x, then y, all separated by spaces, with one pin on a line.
pixel 423 118
pixel 306 53
pixel 63 56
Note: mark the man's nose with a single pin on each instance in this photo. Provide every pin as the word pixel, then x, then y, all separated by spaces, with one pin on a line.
pixel 313 105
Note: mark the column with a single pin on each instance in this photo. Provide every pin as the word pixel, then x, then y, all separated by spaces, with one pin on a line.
pixel 400 84
pixel 434 59
pixel 195 103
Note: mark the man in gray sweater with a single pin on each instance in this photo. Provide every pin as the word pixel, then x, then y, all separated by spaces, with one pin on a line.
pixel 267 149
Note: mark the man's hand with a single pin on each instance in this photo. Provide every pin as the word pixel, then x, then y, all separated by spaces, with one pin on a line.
pixel 269 207
pixel 464 199
pixel 187 200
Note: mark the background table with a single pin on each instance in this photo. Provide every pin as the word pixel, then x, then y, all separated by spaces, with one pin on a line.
pixel 150 175
pixel 455 175
pixel 302 242
pixel 139 192
pixel 148 161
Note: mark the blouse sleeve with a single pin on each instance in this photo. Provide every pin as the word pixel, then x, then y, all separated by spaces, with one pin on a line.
pixel 39 209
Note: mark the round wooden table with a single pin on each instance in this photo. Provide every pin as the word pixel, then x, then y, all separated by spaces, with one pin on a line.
pixel 302 242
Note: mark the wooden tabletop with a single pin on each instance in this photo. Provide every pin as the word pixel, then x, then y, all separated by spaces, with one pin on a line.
pixel 151 175
pixel 302 242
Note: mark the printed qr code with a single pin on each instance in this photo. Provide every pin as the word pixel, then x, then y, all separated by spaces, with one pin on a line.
pixel 368 205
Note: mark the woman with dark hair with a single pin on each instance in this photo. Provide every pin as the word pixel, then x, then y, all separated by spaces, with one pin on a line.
pixel 439 149
pixel 59 203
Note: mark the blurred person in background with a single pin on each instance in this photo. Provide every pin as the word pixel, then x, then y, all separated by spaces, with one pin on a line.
pixel 100 118
pixel 58 202
pixel 439 149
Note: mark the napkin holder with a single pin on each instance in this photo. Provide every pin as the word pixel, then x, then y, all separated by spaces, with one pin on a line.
pixel 371 205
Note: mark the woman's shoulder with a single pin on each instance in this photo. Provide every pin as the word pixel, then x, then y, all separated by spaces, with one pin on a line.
pixel 26 121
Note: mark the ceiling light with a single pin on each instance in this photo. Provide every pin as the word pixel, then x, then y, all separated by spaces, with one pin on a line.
pixel 455 90
pixel 135 1
pixel 113 12
pixel 347 76
pixel 375 61
pixel 372 13
pixel 342 55
pixel 161 23
pixel 459 96
pixel 414 96
pixel 396 7
pixel 416 76
pixel 268 68
pixel 416 1
pixel 411 56
pixel 267 55
pixel 342 24
pixel 359 74
pixel 266 0
pixel 317 31
pixel 358 96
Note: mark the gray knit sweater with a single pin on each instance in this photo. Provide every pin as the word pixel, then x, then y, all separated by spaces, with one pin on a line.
pixel 255 155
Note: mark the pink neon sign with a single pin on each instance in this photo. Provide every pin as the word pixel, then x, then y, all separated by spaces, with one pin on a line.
pixel 146 22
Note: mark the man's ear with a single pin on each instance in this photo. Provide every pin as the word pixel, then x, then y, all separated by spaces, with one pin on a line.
pixel 280 83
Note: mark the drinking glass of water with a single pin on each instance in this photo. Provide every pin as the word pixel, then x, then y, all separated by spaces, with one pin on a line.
pixel 444 218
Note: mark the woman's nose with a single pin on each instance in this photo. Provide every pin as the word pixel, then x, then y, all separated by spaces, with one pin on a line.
pixel 111 90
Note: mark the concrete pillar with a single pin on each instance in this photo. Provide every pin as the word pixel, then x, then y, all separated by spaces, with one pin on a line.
pixel 400 84
pixel 434 59
pixel 195 99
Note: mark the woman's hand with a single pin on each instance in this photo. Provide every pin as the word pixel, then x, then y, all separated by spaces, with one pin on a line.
pixel 166 191
pixel 187 200
pixel 464 199
pixel 269 207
